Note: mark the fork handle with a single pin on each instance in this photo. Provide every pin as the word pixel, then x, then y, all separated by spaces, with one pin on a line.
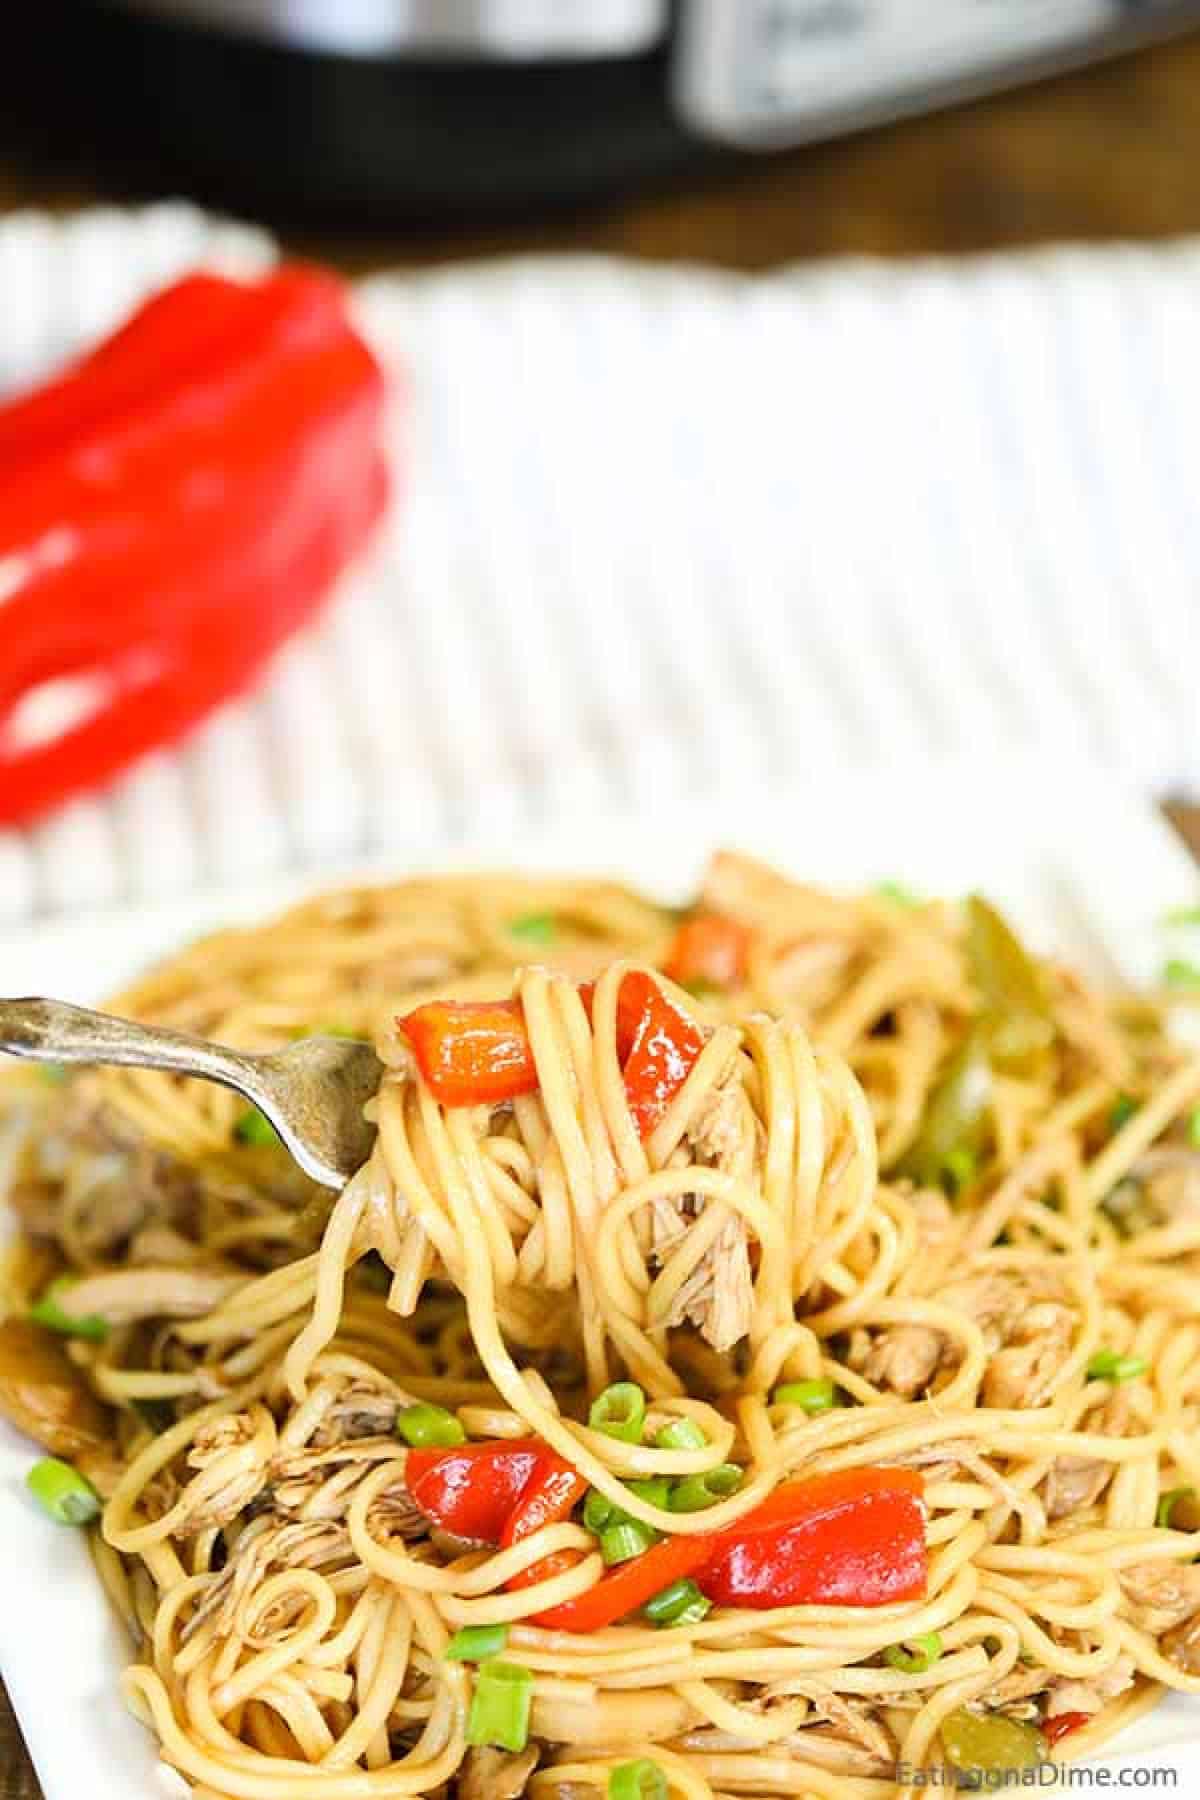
pixel 52 1031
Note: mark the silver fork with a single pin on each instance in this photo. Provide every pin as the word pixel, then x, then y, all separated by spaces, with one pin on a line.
pixel 313 1092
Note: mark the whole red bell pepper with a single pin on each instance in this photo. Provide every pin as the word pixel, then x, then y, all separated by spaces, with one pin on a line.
pixel 171 510
pixel 171 330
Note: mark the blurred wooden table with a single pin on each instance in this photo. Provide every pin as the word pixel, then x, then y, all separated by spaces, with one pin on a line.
pixel 1109 152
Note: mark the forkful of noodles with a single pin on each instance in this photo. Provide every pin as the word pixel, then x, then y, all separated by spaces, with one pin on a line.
pixel 757 1350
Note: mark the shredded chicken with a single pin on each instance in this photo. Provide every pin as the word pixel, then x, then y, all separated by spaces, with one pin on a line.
pixel 116 1187
pixel 934 1216
pixel 234 1442
pixel 1022 1373
pixel 1076 1482
pixel 1182 1645
pixel 1015 1692
pixel 748 889
pixel 1086 1025
pixel 1169 1176
pixel 1067 1696
pixel 718 1295
pixel 903 1359
pixel 318 1484
pixel 361 1411
pixel 157 1243
pixel 123 1295
pixel 940 1462
pixel 853 1720
pixel 489 1774
pixel 1161 1594
pixel 999 1303
pixel 1027 1328
pixel 263 1547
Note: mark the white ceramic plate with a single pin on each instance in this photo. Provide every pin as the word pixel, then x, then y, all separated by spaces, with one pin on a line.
pixel 1085 868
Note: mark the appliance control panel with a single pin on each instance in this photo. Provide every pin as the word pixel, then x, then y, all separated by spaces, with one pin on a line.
pixel 764 73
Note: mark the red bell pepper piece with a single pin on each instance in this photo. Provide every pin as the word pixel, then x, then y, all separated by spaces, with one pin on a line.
pixel 472 1052
pixel 856 1538
pixel 657 1044
pixel 184 499
pixel 553 1492
pixel 477 1052
pixel 851 1539
pixel 1062 1725
pixel 629 1585
pixel 551 1495
pixel 664 1047
pixel 630 1006
pixel 709 950
pixel 473 1490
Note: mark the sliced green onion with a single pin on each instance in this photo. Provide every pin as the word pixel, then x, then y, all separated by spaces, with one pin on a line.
pixel 812 1396
pixel 960 1167
pixel 599 1511
pixel 499 1712
pixel 897 893
pixel 655 1490
pixel 623 1541
pixel 641 1780
pixel 1110 1365
pixel 1178 972
pixel 62 1492
pixel 914 1655
pixel 620 1412
pixel 533 928
pixel 254 1127
pixel 681 1434
pixel 695 1614
pixel 695 1492
pixel 53 1073
pixel 1193 1127
pixel 49 1313
pixel 1166 1507
pixel 425 1426
pixel 476 1643
pixel 680 1604
pixel 1182 915
pixel 1121 1111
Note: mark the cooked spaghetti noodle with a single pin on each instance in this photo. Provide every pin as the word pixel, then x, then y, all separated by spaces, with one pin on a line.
pixel 710 1219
